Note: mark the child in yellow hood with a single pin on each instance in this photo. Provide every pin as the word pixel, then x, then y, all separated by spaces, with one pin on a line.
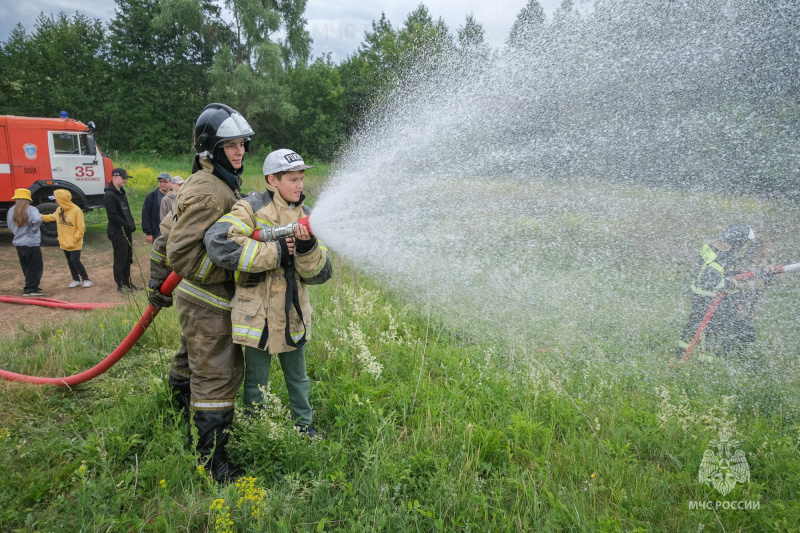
pixel 71 228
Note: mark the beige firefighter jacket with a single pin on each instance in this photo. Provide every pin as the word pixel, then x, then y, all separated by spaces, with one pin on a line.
pixel 259 310
pixel 201 201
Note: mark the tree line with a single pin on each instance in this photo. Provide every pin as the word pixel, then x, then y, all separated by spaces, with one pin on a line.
pixel 670 92
pixel 145 75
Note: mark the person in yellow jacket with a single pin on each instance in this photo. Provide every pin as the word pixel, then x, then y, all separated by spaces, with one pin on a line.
pixel 271 311
pixel 69 218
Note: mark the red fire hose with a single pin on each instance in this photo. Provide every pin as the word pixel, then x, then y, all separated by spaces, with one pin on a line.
pixel 137 331
pixel 149 314
pixel 712 308
pixel 49 302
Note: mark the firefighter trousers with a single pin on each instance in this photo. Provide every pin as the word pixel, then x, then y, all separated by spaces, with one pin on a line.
pixel 210 362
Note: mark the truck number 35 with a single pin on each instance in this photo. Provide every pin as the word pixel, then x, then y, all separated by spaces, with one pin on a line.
pixel 81 172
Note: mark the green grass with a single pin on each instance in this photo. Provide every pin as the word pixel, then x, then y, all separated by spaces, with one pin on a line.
pixel 548 432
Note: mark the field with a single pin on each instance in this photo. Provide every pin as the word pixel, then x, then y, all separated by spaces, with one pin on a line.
pixel 426 427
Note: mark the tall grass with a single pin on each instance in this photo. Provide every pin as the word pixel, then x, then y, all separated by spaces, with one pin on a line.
pixel 426 429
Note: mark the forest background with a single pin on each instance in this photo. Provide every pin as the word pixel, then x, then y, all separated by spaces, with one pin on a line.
pixel 144 76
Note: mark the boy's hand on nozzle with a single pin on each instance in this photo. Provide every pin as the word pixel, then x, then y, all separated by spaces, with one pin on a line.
pixel 305 239
pixel 767 271
pixel 301 232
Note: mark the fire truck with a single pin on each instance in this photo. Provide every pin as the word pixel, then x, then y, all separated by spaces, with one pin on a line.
pixel 45 154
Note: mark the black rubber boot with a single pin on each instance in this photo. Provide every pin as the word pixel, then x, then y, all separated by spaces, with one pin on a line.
pixel 181 393
pixel 212 436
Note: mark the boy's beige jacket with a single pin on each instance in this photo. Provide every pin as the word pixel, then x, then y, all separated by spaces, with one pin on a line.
pixel 259 313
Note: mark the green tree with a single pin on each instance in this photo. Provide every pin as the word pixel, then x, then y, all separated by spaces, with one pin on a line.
pixel 423 43
pixel 250 69
pixel 529 22
pixel 391 60
pixel 60 66
pixel 470 41
pixel 369 73
pixel 160 53
pixel 317 93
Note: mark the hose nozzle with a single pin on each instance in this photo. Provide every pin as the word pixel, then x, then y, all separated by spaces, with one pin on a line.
pixel 273 233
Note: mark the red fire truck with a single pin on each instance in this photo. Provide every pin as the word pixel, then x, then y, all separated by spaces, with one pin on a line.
pixel 45 154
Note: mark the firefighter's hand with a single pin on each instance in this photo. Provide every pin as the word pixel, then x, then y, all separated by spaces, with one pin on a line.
pixel 149 238
pixel 156 297
pixel 731 284
pixel 305 241
pixel 766 272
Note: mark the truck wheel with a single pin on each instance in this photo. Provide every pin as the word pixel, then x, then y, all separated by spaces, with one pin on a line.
pixel 49 229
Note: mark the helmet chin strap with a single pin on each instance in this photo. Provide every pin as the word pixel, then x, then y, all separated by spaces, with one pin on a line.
pixel 224 170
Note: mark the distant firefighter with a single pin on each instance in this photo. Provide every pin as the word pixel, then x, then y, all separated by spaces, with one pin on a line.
pixel 730 329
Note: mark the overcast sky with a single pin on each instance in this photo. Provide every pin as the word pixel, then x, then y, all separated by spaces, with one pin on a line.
pixel 337 26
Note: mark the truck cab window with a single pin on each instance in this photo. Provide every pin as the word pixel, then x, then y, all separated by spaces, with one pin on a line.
pixel 65 143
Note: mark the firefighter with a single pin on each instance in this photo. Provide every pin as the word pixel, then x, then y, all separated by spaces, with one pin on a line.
pixel 730 328
pixel 208 367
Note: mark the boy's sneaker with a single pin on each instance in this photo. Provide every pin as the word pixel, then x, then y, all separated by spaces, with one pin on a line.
pixel 87 283
pixel 37 293
pixel 74 284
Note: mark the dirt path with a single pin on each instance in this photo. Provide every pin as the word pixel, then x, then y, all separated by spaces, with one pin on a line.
pixel 96 257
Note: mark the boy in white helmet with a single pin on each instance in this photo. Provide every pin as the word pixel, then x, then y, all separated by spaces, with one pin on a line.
pixel 271 312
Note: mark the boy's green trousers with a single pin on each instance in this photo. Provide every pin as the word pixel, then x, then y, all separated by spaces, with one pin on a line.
pixel 256 372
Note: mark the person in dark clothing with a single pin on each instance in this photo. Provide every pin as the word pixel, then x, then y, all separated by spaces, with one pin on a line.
pixel 120 229
pixel 151 210
pixel 730 328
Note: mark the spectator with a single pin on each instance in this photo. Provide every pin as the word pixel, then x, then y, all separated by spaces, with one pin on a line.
pixel 151 208
pixel 169 199
pixel 24 221
pixel 120 229
pixel 69 218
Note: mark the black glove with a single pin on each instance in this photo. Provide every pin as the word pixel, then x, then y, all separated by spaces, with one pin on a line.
pixel 768 274
pixel 303 247
pixel 286 259
pixel 156 297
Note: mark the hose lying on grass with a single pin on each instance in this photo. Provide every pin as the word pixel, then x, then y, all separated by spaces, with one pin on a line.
pixel 49 302
pixel 132 338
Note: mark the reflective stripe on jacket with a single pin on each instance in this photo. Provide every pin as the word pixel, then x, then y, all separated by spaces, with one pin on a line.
pixel 258 313
pixel 710 278
pixel 201 201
